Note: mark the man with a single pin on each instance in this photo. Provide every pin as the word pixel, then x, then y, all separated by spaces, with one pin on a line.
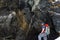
pixel 43 32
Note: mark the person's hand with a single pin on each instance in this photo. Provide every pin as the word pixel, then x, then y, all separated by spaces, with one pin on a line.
pixel 42 32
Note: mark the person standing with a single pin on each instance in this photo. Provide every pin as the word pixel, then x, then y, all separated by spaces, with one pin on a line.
pixel 43 33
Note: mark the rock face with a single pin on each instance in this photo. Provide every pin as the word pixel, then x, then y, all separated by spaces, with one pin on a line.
pixel 7 25
pixel 27 13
